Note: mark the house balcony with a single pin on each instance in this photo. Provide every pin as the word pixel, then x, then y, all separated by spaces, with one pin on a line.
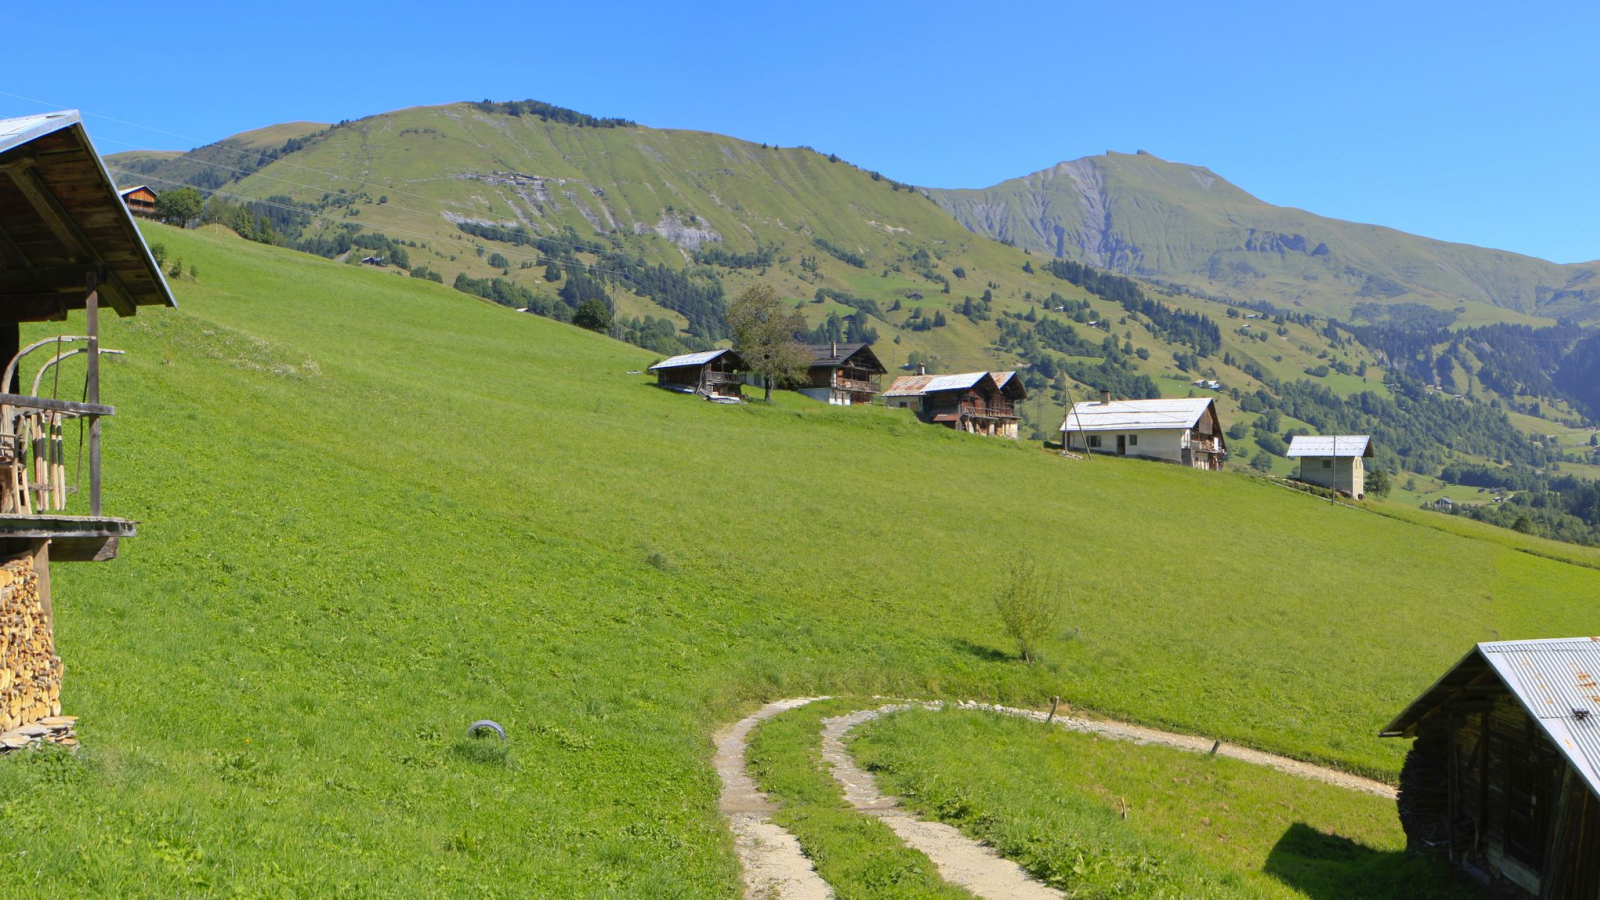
pixel 855 385
pixel 988 410
pixel 37 479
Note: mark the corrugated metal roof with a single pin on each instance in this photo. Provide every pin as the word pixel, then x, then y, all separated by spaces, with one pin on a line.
pixel 22 129
pixel 908 385
pixel 1330 445
pixel 688 359
pixel 1136 415
pixel 1554 679
pixel 914 385
pixel 954 382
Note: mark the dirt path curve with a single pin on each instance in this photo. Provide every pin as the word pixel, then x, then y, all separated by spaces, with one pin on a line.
pixel 774 866
pixel 1139 734
pixel 960 860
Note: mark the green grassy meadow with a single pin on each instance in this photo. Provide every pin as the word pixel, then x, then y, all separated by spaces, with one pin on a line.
pixel 375 509
pixel 1103 818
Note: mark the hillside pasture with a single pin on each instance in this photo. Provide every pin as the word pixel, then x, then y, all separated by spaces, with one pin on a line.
pixel 375 509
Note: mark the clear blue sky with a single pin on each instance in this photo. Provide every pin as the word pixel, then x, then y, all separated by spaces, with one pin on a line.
pixel 1468 122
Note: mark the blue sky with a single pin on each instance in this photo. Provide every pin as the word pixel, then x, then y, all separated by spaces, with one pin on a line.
pixel 1466 122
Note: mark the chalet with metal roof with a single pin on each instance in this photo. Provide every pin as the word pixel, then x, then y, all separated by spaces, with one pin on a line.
pixel 713 374
pixel 1333 461
pixel 67 243
pixel 1504 774
pixel 1184 431
pixel 140 200
pixel 972 401
pixel 842 374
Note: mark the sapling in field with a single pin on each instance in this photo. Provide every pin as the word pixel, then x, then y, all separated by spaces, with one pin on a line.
pixel 1029 605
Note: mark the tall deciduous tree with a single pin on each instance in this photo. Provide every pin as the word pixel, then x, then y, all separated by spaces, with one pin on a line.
pixel 763 333
pixel 593 315
pixel 179 206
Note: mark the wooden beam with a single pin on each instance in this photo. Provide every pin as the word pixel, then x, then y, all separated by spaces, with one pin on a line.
pixel 66 406
pixel 45 278
pixel 11 253
pixel 49 307
pixel 60 223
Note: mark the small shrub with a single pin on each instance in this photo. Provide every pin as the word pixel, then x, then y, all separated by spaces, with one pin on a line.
pixel 1029 606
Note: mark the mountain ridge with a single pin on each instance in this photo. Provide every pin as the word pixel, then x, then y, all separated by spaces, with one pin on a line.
pixel 1142 215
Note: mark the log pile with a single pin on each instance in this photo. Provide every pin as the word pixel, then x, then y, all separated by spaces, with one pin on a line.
pixel 30 670
pixel 48 730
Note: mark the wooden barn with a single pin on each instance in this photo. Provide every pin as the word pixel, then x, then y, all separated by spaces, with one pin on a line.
pixel 1504 774
pixel 713 374
pixel 971 402
pixel 140 200
pixel 842 374
pixel 1183 431
pixel 67 242
pixel 1333 461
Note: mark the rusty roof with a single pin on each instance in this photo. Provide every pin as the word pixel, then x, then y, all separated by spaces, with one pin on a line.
pixel 1554 679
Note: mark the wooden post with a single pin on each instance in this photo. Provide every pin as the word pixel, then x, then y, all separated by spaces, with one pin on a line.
pixel 10 343
pixel 91 306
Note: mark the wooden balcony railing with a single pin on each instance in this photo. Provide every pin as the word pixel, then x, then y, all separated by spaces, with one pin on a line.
pixel 978 410
pixel 862 385
pixel 33 453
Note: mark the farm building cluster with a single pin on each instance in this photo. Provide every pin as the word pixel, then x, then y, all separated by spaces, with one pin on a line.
pixel 1185 431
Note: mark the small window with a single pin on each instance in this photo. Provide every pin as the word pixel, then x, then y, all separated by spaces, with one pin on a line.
pixel 1094 441
pixel 1327 464
pixel 1133 440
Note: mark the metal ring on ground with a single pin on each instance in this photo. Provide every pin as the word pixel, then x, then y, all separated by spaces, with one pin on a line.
pixel 486 725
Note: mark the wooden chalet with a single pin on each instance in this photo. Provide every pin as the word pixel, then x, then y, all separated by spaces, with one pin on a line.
pixel 1504 775
pixel 67 242
pixel 140 200
pixel 1183 431
pixel 843 374
pixel 713 374
pixel 1334 461
pixel 971 402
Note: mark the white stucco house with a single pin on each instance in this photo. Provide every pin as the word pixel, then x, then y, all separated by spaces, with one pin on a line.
pixel 1183 431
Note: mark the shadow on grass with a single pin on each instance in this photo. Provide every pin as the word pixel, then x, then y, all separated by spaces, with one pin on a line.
pixel 1329 867
pixel 987 654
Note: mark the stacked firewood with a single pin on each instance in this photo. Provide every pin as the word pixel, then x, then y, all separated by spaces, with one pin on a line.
pixel 30 670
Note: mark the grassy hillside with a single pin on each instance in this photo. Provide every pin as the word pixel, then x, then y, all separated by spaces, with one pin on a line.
pixel 848 247
pixel 1143 215
pixel 376 509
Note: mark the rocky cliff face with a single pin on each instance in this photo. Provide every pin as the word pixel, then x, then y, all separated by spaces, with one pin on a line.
pixel 1142 215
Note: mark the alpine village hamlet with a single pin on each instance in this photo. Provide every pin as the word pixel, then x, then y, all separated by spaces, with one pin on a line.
pixel 495 499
